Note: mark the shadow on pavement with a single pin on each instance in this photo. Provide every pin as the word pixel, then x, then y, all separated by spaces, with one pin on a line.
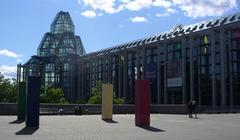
pixel 27 131
pixel 153 129
pixel 16 122
pixel 109 121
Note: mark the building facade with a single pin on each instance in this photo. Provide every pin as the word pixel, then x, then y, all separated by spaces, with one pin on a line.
pixel 199 61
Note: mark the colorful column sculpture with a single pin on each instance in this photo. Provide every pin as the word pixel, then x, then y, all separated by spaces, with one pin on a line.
pixel 142 103
pixel 33 99
pixel 21 101
pixel 107 101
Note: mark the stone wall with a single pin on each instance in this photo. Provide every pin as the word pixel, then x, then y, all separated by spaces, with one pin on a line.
pixel 11 108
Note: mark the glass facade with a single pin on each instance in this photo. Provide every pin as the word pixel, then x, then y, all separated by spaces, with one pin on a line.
pixel 235 65
pixel 57 56
pixel 200 62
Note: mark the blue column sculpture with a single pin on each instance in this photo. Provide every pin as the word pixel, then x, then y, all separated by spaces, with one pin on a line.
pixel 33 101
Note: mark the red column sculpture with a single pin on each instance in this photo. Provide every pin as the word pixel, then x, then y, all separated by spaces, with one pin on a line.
pixel 142 103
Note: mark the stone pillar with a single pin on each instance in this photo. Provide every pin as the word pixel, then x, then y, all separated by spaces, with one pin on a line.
pixel 33 101
pixel 223 70
pixel 158 75
pixel 138 64
pixel 165 72
pixel 82 93
pixel 107 101
pixel 213 69
pixel 90 77
pixel 109 70
pixel 120 75
pixel 144 62
pixel 125 77
pixel 21 100
pixel 191 46
pixel 142 103
pixel 184 78
pixel 18 72
pixel 230 70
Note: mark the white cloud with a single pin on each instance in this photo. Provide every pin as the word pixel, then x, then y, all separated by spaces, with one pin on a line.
pixel 137 5
pixel 138 19
pixel 191 8
pixel 121 26
pixel 171 11
pixel 100 14
pixel 8 53
pixel 19 60
pixel 8 71
pixel 89 14
pixel 162 3
pixel 124 1
pixel 162 14
pixel 103 5
pixel 203 8
pixel 168 12
pixel 114 6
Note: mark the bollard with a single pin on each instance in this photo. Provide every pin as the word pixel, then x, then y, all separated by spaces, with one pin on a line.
pixel 107 101
pixel 21 101
pixel 33 99
pixel 142 103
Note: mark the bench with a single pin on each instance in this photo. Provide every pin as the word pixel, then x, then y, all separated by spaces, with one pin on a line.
pixel 92 111
pixel 48 111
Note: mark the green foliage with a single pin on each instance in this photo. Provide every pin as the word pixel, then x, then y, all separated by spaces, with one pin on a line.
pixel 52 95
pixel 117 100
pixel 96 95
pixel 8 89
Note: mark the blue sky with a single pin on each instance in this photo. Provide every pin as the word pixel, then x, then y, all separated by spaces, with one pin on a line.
pixel 100 23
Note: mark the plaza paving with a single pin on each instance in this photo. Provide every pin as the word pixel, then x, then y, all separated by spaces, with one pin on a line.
pixel 91 127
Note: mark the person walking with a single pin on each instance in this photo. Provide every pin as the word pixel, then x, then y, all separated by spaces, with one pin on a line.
pixel 189 106
pixel 194 106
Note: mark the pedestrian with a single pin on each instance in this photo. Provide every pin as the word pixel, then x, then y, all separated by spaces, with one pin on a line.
pixel 194 108
pixel 60 111
pixel 189 106
pixel 76 110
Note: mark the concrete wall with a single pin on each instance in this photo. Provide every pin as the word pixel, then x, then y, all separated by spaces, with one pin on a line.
pixel 8 109
pixel 11 109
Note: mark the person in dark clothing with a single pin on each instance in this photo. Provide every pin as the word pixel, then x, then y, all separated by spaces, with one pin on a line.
pixel 194 106
pixel 78 110
pixel 190 109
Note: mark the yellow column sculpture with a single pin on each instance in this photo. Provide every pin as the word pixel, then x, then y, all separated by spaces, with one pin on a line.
pixel 107 101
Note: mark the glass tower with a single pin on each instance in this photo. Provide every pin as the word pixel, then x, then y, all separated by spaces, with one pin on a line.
pixel 57 54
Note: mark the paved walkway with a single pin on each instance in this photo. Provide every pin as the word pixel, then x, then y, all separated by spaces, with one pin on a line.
pixel 91 127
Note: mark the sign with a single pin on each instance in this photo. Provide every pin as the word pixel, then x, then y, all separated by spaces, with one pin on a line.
pixel 174 82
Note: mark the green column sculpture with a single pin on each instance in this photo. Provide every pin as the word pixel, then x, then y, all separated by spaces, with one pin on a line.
pixel 21 101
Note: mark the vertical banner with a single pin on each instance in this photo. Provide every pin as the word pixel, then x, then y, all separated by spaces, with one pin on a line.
pixel 142 103
pixel 107 101
pixel 33 99
pixel 21 101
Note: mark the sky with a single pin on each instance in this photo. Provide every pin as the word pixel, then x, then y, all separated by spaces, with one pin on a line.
pixel 99 23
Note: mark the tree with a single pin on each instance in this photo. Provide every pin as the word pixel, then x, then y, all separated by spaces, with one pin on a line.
pixel 8 89
pixel 96 95
pixel 52 95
